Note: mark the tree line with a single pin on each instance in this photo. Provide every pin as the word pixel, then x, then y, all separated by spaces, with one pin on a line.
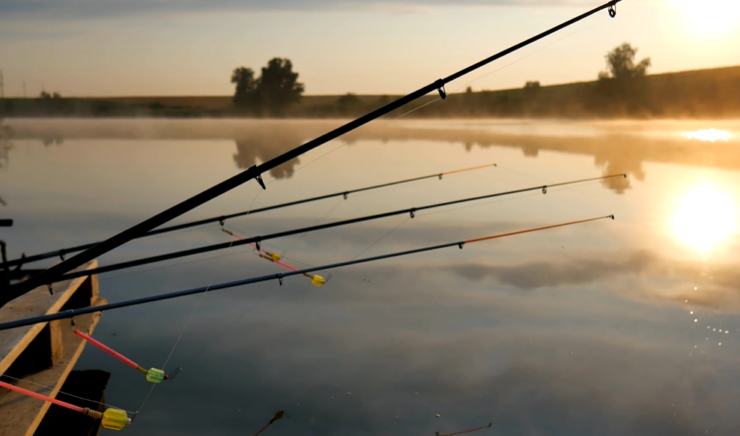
pixel 619 88
pixel 271 93
pixel 622 89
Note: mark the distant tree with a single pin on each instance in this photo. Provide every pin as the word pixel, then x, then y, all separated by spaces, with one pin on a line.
pixel 5 144
pixel 532 85
pixel 382 101
pixel 620 64
pixel 349 103
pixel 246 85
pixel 56 96
pixel 621 89
pixel 44 95
pixel 5 147
pixel 278 86
pixel 468 90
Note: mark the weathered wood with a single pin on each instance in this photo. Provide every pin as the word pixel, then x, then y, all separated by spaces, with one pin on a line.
pixel 56 342
pixel 42 355
pixel 20 415
pixel 35 303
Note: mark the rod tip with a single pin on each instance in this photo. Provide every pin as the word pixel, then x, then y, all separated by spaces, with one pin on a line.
pixel 611 216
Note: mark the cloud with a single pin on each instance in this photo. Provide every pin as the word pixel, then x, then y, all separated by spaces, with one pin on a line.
pixel 81 9
pixel 671 280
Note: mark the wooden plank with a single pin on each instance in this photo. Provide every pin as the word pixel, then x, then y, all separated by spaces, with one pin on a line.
pixel 35 303
pixel 89 384
pixel 21 415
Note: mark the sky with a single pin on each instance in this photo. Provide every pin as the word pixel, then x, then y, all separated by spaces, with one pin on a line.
pixel 188 47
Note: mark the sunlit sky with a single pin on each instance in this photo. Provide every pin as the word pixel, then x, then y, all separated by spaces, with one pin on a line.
pixel 189 47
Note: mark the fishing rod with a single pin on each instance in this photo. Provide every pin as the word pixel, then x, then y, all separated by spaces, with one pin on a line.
pixel 278 416
pixel 256 240
pixel 316 279
pixel 277 276
pixel 111 419
pixel 472 430
pixel 255 172
pixel 153 375
pixel 221 219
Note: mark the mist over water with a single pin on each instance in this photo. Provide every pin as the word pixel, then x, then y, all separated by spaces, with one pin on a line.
pixel 603 328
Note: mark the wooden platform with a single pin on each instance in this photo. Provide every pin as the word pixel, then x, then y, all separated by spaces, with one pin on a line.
pixel 43 353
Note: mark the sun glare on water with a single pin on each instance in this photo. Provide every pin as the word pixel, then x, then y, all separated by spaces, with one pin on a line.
pixel 705 215
pixel 711 16
pixel 712 135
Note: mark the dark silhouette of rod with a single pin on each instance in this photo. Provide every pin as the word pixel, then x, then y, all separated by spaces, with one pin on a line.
pixel 473 430
pixel 255 172
pixel 6 223
pixel 258 239
pixel 278 276
pixel 63 251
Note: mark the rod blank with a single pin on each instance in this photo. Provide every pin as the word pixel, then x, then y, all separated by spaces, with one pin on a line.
pixel 278 276
pixel 256 239
pixel 53 273
pixel 64 251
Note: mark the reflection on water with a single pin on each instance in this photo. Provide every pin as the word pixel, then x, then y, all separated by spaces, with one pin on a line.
pixel 711 135
pixel 705 216
pixel 260 145
pixel 5 147
pixel 562 333
pixel 615 147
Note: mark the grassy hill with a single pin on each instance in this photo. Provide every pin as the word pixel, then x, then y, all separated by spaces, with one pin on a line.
pixel 701 93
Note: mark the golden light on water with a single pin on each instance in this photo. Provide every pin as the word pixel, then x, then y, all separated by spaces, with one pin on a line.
pixel 705 215
pixel 711 135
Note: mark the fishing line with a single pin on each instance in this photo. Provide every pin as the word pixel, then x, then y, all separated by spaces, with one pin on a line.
pixel 493 201
pixel 220 219
pixel 192 313
pixel 164 366
pixel 415 109
pixel 489 73
pixel 466 431
pixel 255 172
pixel 403 221
pixel 112 418
pixel 321 157
pixel 316 279
pixel 277 276
pixel 303 236
pixel 259 239
pixel 187 262
pixel 572 188
pixel 440 176
pixel 239 317
pixel 521 59
pixel 62 392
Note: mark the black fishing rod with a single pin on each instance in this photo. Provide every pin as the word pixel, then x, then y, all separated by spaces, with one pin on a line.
pixel 258 239
pixel 53 273
pixel 220 219
pixel 278 276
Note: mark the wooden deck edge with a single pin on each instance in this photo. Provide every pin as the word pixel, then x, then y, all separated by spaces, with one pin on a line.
pixel 65 373
pixel 9 358
pixel 72 288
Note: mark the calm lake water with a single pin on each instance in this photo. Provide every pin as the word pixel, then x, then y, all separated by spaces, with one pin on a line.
pixel 625 327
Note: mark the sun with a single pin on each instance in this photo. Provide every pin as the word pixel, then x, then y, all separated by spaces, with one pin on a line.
pixel 704 216
pixel 711 16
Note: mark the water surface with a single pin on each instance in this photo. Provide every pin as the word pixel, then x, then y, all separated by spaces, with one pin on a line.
pixel 615 328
